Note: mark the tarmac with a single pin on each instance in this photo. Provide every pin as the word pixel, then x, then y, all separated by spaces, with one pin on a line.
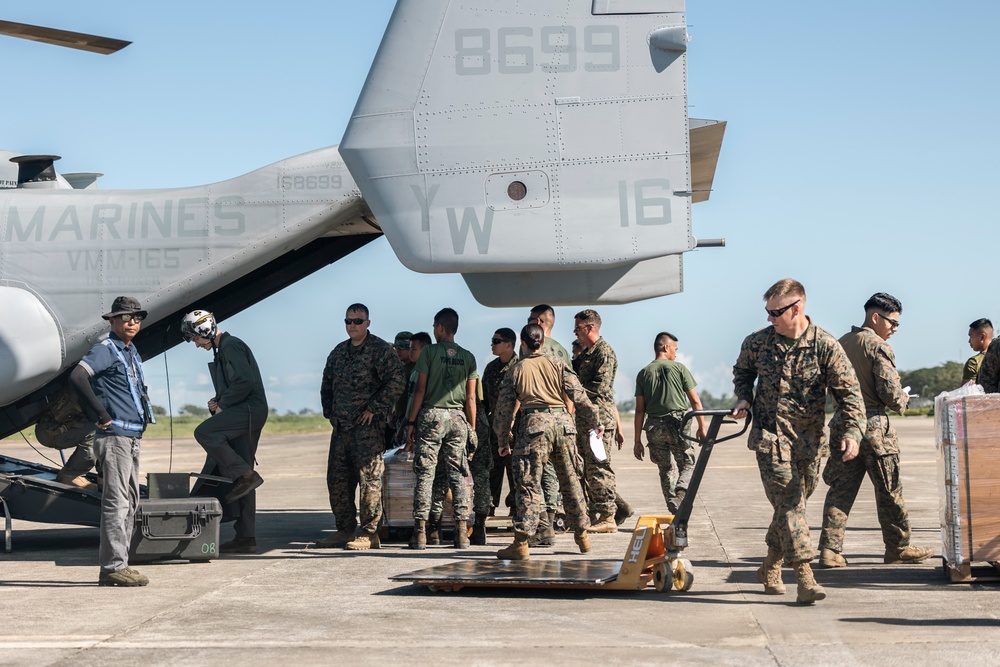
pixel 298 605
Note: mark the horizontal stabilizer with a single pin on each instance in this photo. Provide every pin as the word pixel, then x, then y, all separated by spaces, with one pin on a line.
pixel 706 144
pixel 624 284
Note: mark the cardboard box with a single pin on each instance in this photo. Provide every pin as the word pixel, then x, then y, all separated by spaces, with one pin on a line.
pixel 397 491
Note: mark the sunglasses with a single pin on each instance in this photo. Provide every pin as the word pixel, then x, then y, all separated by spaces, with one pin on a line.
pixel 497 341
pixel 892 323
pixel 355 320
pixel 781 311
pixel 127 317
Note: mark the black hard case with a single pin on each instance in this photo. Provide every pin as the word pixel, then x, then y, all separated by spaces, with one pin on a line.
pixel 176 529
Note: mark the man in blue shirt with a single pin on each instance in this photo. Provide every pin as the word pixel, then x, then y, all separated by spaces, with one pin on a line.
pixel 110 384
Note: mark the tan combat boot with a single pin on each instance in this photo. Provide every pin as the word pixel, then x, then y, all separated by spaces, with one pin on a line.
pixel 605 525
pixel 518 550
pixel 907 554
pixel 809 590
pixel 829 558
pixel 338 540
pixel 461 534
pixel 582 540
pixel 364 541
pixel 769 573
pixel 419 538
pixel 80 482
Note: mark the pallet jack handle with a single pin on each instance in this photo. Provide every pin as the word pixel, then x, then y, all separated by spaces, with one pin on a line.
pixel 680 521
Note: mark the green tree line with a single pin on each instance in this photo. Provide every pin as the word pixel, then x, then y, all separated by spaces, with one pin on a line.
pixel 927 382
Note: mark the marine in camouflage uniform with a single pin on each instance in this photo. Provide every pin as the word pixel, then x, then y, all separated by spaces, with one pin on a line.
pixel 875 365
pixel 794 363
pixel 550 481
pixel 544 432
pixel 492 376
pixel 663 391
pixel 793 377
pixel 596 367
pixel 361 383
pixel 441 415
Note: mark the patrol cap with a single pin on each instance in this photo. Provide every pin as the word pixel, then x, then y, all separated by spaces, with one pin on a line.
pixel 403 340
pixel 124 305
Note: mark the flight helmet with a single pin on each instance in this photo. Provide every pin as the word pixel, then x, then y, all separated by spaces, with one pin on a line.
pixel 198 323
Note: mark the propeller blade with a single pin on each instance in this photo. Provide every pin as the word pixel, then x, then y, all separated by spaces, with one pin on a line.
pixel 73 40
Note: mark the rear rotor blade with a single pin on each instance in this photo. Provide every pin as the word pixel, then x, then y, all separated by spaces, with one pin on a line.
pixel 73 40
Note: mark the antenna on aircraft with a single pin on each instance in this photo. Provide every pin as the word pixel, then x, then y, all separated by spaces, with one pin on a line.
pixel 72 40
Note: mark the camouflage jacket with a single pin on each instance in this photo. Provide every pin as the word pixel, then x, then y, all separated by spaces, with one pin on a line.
pixel 989 370
pixel 493 375
pixel 366 377
pixel 597 367
pixel 875 365
pixel 792 380
pixel 586 411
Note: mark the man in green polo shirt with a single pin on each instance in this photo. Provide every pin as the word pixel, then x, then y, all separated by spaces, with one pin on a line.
pixel 442 415
pixel 663 391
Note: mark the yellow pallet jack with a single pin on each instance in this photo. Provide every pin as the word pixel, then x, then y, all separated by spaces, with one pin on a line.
pixel 653 555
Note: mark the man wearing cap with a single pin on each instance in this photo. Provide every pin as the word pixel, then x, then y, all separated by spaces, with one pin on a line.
pixel 362 380
pixel 110 384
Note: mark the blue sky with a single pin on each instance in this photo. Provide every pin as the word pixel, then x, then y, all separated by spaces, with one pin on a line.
pixel 860 156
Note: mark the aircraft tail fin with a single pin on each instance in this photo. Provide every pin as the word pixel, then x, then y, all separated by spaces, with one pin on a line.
pixel 541 135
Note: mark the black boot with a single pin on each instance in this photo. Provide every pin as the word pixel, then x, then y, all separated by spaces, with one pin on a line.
pixel 461 534
pixel 479 530
pixel 419 538
pixel 545 534
pixel 622 510
pixel 434 530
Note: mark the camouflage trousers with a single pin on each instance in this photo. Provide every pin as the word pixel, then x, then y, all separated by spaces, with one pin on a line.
pixel 545 437
pixel 441 434
pixel 879 459
pixel 599 478
pixel 479 467
pixel 355 462
pixel 550 481
pixel 668 447
pixel 501 468
pixel 788 483
pixel 550 487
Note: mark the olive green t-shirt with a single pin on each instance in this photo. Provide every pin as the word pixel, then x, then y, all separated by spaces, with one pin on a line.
pixel 971 369
pixel 552 348
pixel 664 385
pixel 448 368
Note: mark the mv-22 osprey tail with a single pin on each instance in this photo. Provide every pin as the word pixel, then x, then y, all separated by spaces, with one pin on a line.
pixel 538 147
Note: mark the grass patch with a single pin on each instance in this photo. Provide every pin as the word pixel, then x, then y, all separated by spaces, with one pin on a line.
pixel 276 425
pixel 184 426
